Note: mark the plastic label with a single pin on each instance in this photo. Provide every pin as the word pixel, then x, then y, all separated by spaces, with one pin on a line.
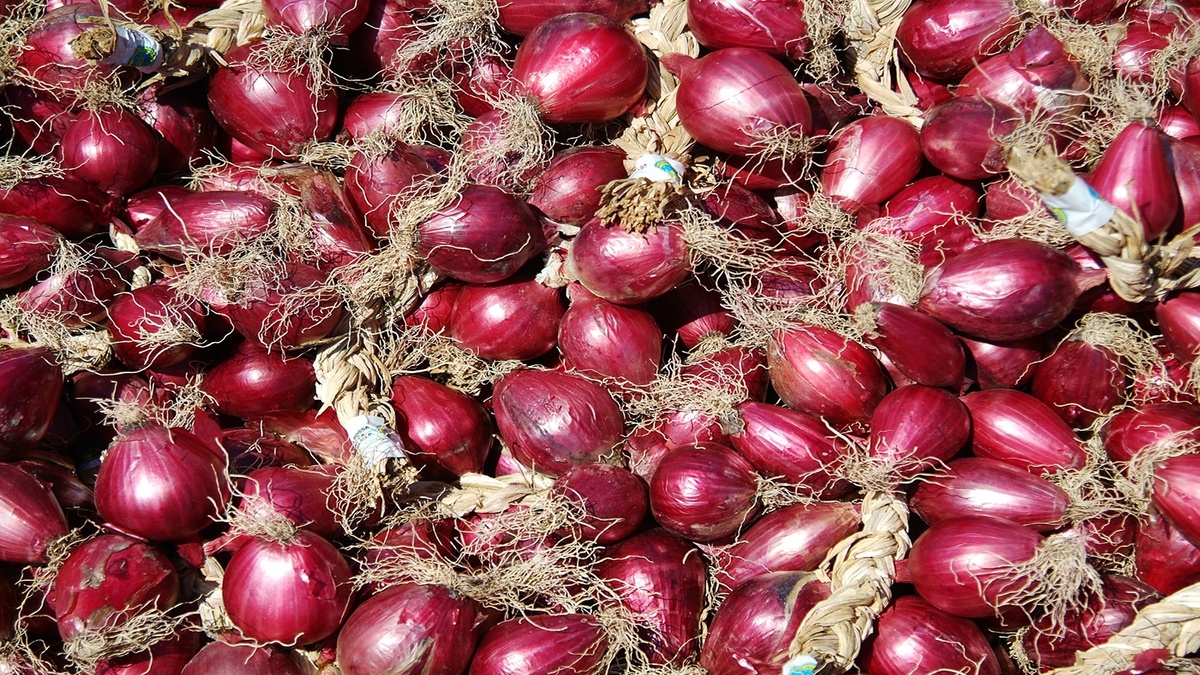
pixel 372 439
pixel 658 169
pixel 801 664
pixel 137 49
pixel 1081 209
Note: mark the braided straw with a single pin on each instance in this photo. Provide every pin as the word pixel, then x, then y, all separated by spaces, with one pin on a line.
pixel 640 202
pixel 871 28
pixel 863 566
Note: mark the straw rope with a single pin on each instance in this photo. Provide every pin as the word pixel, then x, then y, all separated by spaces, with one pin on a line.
pixel 871 29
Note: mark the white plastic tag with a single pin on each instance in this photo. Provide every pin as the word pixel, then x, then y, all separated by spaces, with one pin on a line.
pixel 658 169
pixel 1081 209
pixel 137 49
pixel 372 439
pixel 801 664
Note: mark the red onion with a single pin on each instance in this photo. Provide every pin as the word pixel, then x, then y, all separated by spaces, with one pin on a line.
pixel 520 17
pixel 772 26
pixel 748 216
pixel 153 327
pixel 1177 494
pixel 1133 58
pixel 553 420
pixel 770 110
pixel 1164 558
pixel 184 125
pixel 869 160
pixel 789 444
pixel 418 537
pixel 516 318
pixel 112 149
pixel 934 212
pixel 319 433
pixel 145 205
pixel 660 579
pixel 1185 163
pixel 607 341
pixel 744 368
pixel 390 26
pixel 410 629
pixel 219 658
pixel 915 428
pixel 977 486
pixel 1017 428
pixel 614 500
pixel 757 172
pixel 254 382
pixel 492 157
pixel 373 112
pixel 1080 381
pixel 58 473
pixel 627 267
pixel 1008 198
pixel 482 82
pixel 1134 430
pixel 288 308
pixel 337 234
pixel 1134 174
pixel 961 137
pixel 376 182
pixel 692 312
pixel 753 628
pixel 47 57
pixel 921 348
pixel 705 492
pixel 484 236
pixel 648 444
pixel 206 222
pixel 820 372
pixel 106 581
pixel 1189 88
pixel 161 484
pixel 77 297
pixel 167 657
pixel 66 203
pixel 564 644
pixel 250 449
pixel 569 190
pixel 913 636
pixel 37 118
pixel 1179 319
pixel 568 89
pixel 1003 365
pixel 335 19
pixel 299 494
pixel 272 111
pixel 944 39
pixel 1007 289
pixel 32 517
pixel 1176 122
pixel 791 539
pixel 290 592
pixel 1103 617
pixel 444 430
pixel 435 309
pixel 32 384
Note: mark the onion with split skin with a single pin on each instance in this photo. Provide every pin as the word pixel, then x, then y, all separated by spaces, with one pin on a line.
pixel 944 39
pixel 791 444
pixel 31 381
pixel 869 160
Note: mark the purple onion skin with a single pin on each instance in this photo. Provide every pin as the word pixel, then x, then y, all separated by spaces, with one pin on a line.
pixel 961 137
pixel 410 629
pixel 298 494
pixel 791 444
pixel 211 222
pixel 791 539
pixel 30 517
pixel 614 500
pixel 661 579
pixel 219 658
pixel 704 493
pixel 772 26
pixel 517 319
pixel 1003 365
pixel 920 347
pixel 977 486
pixel 569 190
pixel 1017 428
pixel 755 624
pixel 628 268
pixel 446 431
pixel 944 39
pixel 1135 429
pixel 915 428
pixel 484 236
pixel 1080 382
pixel 1135 175
pixel 1103 617
pixel 819 372
pixel 913 636
pixel 869 160
pixel 1163 556
pixel 607 341
pixel 32 383
pixel 26 248
pixel 1177 494
pixel 1179 319
pixel 566 644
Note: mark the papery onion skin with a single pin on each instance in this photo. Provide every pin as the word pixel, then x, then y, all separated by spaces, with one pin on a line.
pixel 290 307
pixel 614 500
pixel 135 319
pixel 913 636
pixel 607 341
pixel 31 381
pixel 186 128
pixel 335 19
pixel 1179 319
pixel 706 492
pixel 790 444
pixel 961 137
pixel 26 248
pixel 484 236
pixel 444 430
pixel 517 318
pixel 47 58
pixel 253 382
pixel 1081 382
pixel 629 268
pixel 1163 557
pixel 113 149
pixel 944 39
pixel 569 644
pixel 299 494
pixel 915 428
pixel 410 629
pixel 30 517
pixel 820 372
pixel 1177 493
pixel 774 26
pixel 162 658
pixel 568 191
pixel 869 160
pixel 206 222
pixel 1015 427
pixel 935 213
pixel 376 181
pixel 978 486
pixel 521 17
pixel 219 658
pixel 250 449
pixel 790 539
pixel 660 578
pixel 1133 430
pixel 1135 175
pixel 1185 161
pixel 920 347
pixel 554 420
pixel 572 89
pixel 290 593
pixel 66 203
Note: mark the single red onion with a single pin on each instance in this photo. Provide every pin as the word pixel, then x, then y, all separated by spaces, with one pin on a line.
pixel 568 89
pixel 319 433
pixel 58 473
pixel 32 518
pixel 915 428
pixel 1103 617
pixel 32 381
pixel 773 26
pixel 521 17
pixel 145 205
pixel 869 160
pixel 478 85
pixel 1185 164
pixel 1135 175
pixel 1163 557
pixel 770 110
pixel 553 420
pixel 444 430
pixel 220 658
pixel 299 494
pixel 274 111
pixel 660 579
pixel 154 327
pixel 78 296
pixel 790 444
pixel 1179 319
pixel 977 486
pixel 167 657
pixel 112 149
pixel 66 203
pixel 753 629
pixel 207 223
pixel 706 492
pixel 944 39
pixel 920 347
pixel 186 129
pixel 611 342
pixel 289 592
pixel 1003 364
pixel 516 318
pixel 161 484
pixel 253 382
pixel 374 112
pixel 564 644
pixel 1136 429
pixel 250 449
pixel 820 372
pixel 1187 84
pixel 735 367
pixel 692 311
pixel 410 629
pixel 337 20
pixel 1134 55
pixel 613 499
pixel 48 59
pixel 1080 381
pixel 376 181
pixel 1008 198
pixel 629 267
pixel 484 236
pixel 569 189
pixel 1006 289
pixel 286 308
pixel 913 636
pixel 961 137
pixel 1017 428
pixel 791 539
pixel 1177 494
pixel 108 580
pixel 934 212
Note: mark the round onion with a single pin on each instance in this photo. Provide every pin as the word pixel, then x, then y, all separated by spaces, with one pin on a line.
pixel 705 492
pixel 513 319
pixel 254 382
pixel 913 636
pixel 627 267
pixel 219 658
pixel 289 592
pixel 300 495
pixel 435 309
pixel 493 157
pixel 820 372
pixel 112 149
pixel 961 137
pixel 1080 381
pixel 944 39
pixel 772 26
pixel 613 499
pixel 869 160
pixel 1135 175
pixel 553 420
pixel 250 449
pixel 568 89
pixel 484 236
pixel 207 223
pixel 1017 428
pixel 977 486
pixel 153 327
pixel 31 382
pixel 569 190
pixel 934 212
pixel 47 57
pixel 915 428
pixel 186 129
pixel 291 307
pixel 608 341
pixel 32 517
pixel 478 85
pixel 789 444
pixel 36 118
pixel 921 348
pixel 376 181
pixel 445 431
pixel 564 644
